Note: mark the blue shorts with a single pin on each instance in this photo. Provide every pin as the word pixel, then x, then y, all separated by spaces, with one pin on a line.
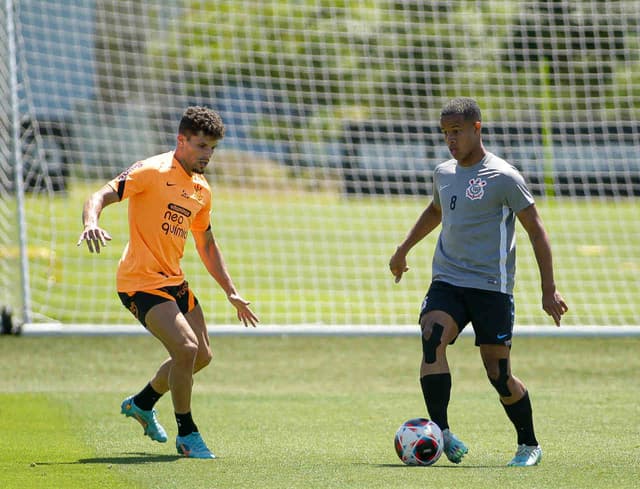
pixel 139 303
pixel 490 313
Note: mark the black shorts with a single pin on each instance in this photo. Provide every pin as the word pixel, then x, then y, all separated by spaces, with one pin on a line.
pixel 491 313
pixel 139 303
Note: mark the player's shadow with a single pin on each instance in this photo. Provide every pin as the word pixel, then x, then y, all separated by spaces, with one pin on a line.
pixel 130 458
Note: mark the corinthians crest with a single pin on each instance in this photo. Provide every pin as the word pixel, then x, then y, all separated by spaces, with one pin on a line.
pixel 475 190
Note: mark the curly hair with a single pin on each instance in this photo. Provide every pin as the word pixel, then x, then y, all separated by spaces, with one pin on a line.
pixel 196 119
pixel 464 106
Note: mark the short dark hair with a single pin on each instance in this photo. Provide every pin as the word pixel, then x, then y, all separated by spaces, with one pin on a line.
pixel 196 119
pixel 464 106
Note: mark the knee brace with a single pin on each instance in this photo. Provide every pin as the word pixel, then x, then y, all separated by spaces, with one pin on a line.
pixel 500 383
pixel 429 346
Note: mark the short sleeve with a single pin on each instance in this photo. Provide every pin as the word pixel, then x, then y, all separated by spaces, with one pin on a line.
pixel 133 180
pixel 517 194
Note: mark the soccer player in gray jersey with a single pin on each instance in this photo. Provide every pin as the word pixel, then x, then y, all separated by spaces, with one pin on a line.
pixel 477 197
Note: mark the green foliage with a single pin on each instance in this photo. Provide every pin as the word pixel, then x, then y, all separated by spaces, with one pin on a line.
pixel 580 46
pixel 394 59
pixel 336 58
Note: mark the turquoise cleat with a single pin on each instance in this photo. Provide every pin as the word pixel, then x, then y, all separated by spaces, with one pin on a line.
pixel 152 428
pixel 454 449
pixel 526 456
pixel 193 446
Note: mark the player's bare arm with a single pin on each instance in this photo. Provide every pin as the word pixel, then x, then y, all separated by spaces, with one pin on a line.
pixel 426 223
pixel 552 302
pixel 94 235
pixel 213 260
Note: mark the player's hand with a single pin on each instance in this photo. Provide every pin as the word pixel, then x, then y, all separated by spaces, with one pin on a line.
pixel 95 237
pixel 554 305
pixel 398 264
pixel 245 314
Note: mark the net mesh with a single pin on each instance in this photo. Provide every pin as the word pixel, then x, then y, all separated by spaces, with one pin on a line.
pixel 332 112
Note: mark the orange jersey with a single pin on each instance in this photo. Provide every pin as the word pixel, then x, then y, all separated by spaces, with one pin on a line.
pixel 164 204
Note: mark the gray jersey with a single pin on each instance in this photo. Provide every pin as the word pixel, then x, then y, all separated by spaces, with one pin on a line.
pixel 476 247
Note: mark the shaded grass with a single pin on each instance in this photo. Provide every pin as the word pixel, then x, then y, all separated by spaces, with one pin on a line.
pixel 46 449
pixel 313 412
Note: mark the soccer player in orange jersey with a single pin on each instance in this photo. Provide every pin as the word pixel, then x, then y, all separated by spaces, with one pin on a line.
pixel 168 197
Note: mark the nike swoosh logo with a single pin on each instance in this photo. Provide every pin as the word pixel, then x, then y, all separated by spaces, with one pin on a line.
pixel 141 421
pixel 171 184
pixel 441 188
pixel 185 450
pixel 502 336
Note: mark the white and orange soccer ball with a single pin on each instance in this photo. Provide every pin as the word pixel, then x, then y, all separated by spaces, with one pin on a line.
pixel 419 441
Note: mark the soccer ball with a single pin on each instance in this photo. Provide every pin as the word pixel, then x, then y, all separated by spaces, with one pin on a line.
pixel 419 442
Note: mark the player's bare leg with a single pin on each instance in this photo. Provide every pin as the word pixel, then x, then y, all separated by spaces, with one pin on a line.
pixel 195 318
pixel 159 384
pixel 438 330
pixel 515 400
pixel 174 330
pixel 166 322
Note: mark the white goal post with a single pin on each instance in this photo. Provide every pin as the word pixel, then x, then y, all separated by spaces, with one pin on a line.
pixel 331 110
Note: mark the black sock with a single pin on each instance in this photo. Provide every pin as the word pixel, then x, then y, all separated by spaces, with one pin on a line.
pixel 521 415
pixel 146 398
pixel 436 390
pixel 186 426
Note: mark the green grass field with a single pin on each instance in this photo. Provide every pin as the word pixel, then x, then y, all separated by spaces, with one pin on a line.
pixel 312 412
pixel 318 257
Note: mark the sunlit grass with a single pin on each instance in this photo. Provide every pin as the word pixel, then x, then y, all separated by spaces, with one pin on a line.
pixel 320 257
pixel 315 412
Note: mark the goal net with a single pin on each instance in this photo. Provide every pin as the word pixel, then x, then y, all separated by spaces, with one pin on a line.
pixel 332 116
